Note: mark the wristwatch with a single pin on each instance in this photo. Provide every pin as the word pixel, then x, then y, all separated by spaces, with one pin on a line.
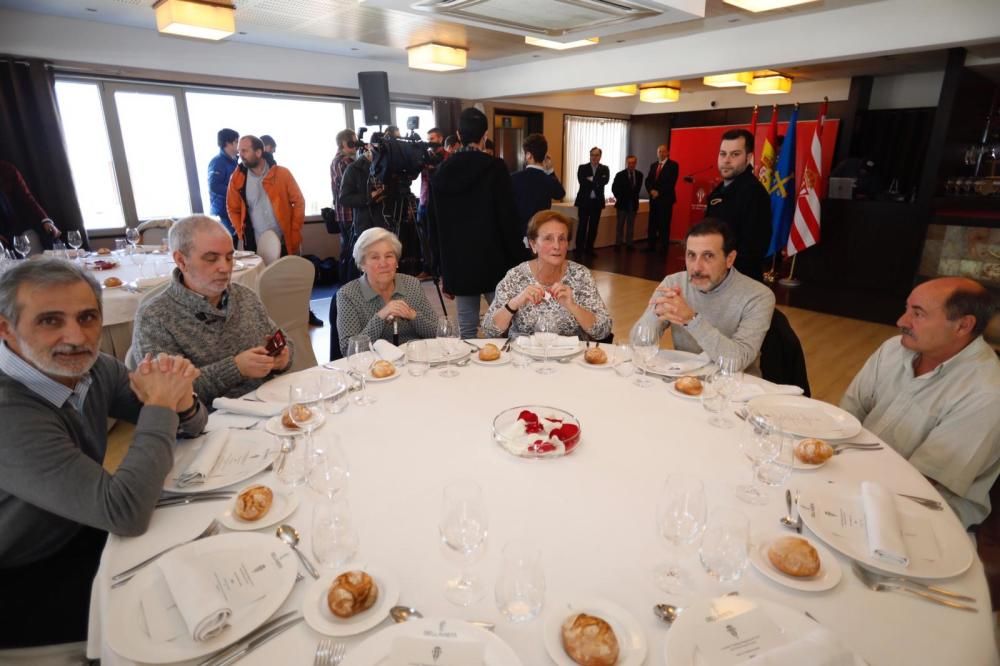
pixel 691 320
pixel 190 411
pixel 509 309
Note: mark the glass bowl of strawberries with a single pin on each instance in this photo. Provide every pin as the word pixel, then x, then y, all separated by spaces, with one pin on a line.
pixel 536 431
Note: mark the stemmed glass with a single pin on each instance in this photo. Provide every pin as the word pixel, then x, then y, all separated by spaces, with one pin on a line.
pixel 360 356
pixel 447 333
pixel 132 235
pixel 680 517
pixel 303 396
pixel 770 453
pixel 334 539
pixel 545 335
pixel 463 529
pixel 645 339
pixel 75 240
pixel 725 382
pixel 725 545
pixel 22 245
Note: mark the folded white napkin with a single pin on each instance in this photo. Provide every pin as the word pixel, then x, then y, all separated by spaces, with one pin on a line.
pixel 562 342
pixel 147 282
pixel 387 351
pixel 248 407
pixel 750 390
pixel 199 468
pixel 817 648
pixel 194 589
pixel 885 538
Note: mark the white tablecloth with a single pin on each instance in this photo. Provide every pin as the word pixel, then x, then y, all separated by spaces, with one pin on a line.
pixel 591 513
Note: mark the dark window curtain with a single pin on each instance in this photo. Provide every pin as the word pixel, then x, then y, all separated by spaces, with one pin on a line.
pixel 446 113
pixel 31 139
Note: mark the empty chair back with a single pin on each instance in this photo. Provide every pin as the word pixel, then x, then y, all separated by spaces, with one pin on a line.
pixel 781 358
pixel 269 247
pixel 285 288
pixel 154 232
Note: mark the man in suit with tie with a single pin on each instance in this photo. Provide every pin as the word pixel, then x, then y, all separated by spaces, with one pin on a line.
pixel 592 177
pixel 536 185
pixel 660 184
pixel 626 188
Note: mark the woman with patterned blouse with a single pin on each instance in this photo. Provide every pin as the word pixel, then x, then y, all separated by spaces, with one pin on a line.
pixel 382 301
pixel 548 283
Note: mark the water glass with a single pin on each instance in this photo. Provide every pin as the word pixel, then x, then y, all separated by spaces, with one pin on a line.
pixel 726 382
pixel 120 245
pixel 328 469
pixel 463 529
pixel 725 545
pixel 761 442
pixel 447 334
pixel 360 356
pixel 291 466
pixel 645 339
pixel 622 360
pixel 334 386
pixel 775 472
pixel 519 358
pixel 681 510
pixel 335 540
pixel 138 257
pixel 545 335
pixel 520 587
pixel 417 358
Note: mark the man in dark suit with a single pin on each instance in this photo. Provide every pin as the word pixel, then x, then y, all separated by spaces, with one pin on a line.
pixel 592 177
pixel 626 188
pixel 660 183
pixel 536 185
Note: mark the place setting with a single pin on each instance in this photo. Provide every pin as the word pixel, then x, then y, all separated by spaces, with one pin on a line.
pixel 219 459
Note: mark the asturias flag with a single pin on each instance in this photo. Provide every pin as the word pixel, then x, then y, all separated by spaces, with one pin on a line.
pixel 783 192
pixel 768 153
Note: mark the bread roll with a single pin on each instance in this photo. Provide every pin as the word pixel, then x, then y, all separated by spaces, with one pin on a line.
pixel 688 386
pixel 254 502
pixel 595 356
pixel 813 451
pixel 383 369
pixel 489 352
pixel 112 282
pixel 104 251
pixel 302 414
pixel 589 640
pixel 794 556
pixel 351 593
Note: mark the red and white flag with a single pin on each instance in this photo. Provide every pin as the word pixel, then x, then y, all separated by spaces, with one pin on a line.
pixel 805 224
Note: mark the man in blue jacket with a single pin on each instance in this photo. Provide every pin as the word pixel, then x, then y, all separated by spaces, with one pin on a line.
pixel 220 169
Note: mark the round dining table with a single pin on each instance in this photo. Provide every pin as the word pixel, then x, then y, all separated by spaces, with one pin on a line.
pixel 591 514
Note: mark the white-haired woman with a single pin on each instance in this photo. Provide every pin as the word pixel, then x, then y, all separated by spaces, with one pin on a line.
pixel 380 296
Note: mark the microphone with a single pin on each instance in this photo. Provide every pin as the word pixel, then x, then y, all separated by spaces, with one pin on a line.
pixel 690 177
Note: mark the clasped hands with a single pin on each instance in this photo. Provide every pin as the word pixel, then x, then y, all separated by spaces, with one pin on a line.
pixel 165 381
pixel 535 294
pixel 397 309
pixel 669 305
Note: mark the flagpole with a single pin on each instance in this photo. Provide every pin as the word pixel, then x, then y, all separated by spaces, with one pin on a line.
pixel 790 281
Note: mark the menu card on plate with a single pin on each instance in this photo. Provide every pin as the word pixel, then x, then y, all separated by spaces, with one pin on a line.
pixel 436 647
pixel 240 453
pixel 729 639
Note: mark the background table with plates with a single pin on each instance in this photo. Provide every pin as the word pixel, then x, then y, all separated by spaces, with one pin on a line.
pixel 590 513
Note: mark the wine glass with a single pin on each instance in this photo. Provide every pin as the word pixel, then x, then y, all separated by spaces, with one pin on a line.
pixel 680 517
pixel 725 545
pixel 132 235
pixel 292 465
pixel 329 470
pixel 761 442
pixel 463 529
pixel 360 356
pixel 645 339
pixel 22 245
pixel 299 396
pixel 725 383
pixel 75 240
pixel 447 333
pixel 545 335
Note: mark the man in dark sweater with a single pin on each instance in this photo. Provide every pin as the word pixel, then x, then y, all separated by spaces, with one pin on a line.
pixel 472 222
pixel 536 185
pixel 57 503
pixel 626 188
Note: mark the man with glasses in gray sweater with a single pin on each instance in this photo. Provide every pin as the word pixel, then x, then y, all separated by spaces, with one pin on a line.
pixel 57 502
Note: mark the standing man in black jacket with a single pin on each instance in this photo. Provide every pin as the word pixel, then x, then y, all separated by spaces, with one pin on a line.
pixel 742 202
pixel 472 222
pixel 536 185
pixel 660 183
pixel 592 177
pixel 626 188
pixel 358 193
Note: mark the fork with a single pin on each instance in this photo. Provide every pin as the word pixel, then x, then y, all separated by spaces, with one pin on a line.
pixel 873 583
pixel 837 452
pixel 324 653
pixel 338 654
pixel 122 577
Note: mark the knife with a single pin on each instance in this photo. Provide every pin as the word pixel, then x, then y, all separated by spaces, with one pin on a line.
pixel 241 647
pixel 180 500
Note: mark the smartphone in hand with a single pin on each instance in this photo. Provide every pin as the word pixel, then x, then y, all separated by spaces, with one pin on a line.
pixel 275 343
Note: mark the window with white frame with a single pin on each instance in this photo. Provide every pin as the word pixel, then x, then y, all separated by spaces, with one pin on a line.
pixel 585 132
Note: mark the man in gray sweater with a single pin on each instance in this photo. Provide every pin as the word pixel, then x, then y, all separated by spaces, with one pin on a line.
pixel 222 327
pixel 713 307
pixel 57 503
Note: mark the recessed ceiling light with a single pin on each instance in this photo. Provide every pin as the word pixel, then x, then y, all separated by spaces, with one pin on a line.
pixel 195 18
pixel 732 80
pixel 560 46
pixel 765 5
pixel 627 90
pixel 437 57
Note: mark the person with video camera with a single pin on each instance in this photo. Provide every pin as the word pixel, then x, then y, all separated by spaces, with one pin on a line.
pixel 474 232
pixel 359 193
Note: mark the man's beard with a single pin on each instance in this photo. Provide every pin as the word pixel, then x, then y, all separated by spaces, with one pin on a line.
pixel 47 362
pixel 253 164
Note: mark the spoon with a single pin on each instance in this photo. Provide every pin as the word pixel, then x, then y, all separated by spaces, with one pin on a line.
pixel 289 535
pixel 404 613
pixel 787 519
pixel 666 612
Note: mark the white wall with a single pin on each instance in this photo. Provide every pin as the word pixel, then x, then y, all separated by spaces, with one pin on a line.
pixel 906 91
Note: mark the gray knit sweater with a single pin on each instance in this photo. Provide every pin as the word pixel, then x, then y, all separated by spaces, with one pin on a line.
pixel 732 318
pixel 179 321
pixel 51 479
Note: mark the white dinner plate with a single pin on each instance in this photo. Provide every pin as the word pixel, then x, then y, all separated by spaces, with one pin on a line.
pixel 504 359
pixel 607 365
pixel 371 378
pixel 538 353
pixel 318 615
pixel 242 254
pixel 283 504
pixel 829 568
pixel 278 429
pixel 631 641
pixel 672 390
pixel 681 646
pixel 376 650
pixel 819 508
pixel 809 466
pixel 276 390
pixel 125 622
pixel 805 417
pixel 239 266
pixel 674 363
pixel 253 450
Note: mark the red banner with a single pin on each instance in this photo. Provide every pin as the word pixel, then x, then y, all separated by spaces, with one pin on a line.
pixel 695 149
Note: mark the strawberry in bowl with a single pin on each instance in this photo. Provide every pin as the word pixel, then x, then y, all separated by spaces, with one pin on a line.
pixel 536 431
